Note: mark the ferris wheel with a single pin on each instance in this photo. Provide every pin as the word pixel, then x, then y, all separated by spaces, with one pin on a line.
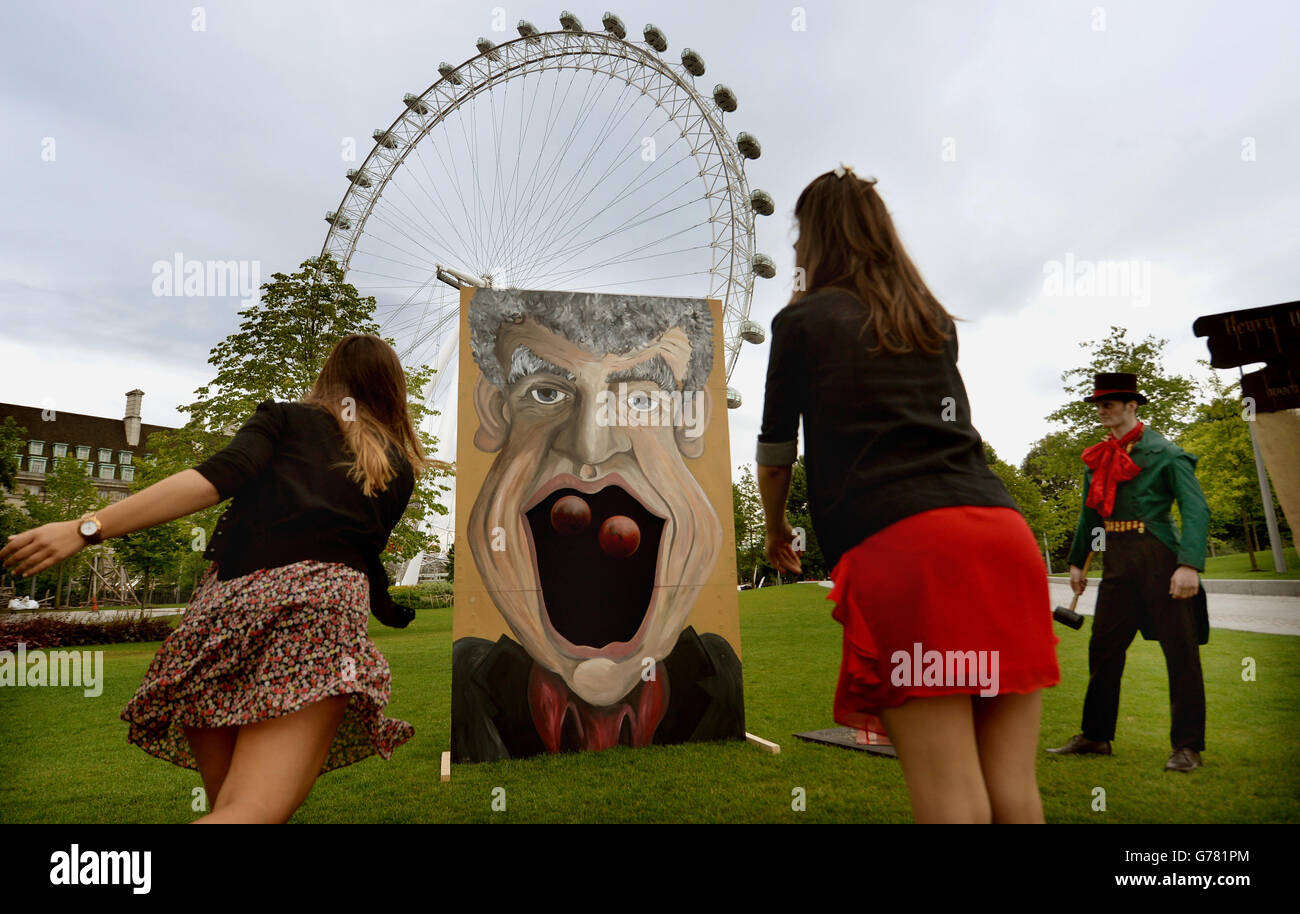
pixel 568 159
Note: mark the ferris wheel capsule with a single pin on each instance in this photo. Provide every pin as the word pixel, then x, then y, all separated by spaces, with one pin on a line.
pixel 487 49
pixel 734 399
pixel 655 37
pixel 527 30
pixel 358 177
pixel 693 62
pixel 764 266
pixel 384 138
pixel 415 103
pixel 338 221
pixel 761 202
pixel 749 146
pixel 752 332
pixel 449 73
pixel 569 22
pixel 724 98
pixel 613 25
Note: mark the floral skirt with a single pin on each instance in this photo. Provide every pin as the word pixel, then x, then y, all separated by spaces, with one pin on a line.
pixel 948 601
pixel 264 645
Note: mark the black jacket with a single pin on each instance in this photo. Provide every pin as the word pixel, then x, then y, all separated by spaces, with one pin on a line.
pixel 292 503
pixel 885 436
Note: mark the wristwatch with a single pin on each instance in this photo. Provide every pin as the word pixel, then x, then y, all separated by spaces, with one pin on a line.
pixel 89 528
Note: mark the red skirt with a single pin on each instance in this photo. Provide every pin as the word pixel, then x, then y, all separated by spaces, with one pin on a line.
pixel 948 601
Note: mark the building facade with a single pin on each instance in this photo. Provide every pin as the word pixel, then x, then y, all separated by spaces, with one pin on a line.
pixel 109 448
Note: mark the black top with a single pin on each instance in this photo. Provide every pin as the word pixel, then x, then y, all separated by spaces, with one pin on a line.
pixel 885 436
pixel 291 502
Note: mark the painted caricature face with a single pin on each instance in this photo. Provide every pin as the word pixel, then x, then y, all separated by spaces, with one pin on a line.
pixel 569 423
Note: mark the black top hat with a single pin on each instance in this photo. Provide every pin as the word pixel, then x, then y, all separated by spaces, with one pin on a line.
pixel 1115 386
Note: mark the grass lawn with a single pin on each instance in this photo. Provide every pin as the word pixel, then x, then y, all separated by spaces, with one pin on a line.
pixel 66 758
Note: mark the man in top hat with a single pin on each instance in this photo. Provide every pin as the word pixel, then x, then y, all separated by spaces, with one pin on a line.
pixel 1150 581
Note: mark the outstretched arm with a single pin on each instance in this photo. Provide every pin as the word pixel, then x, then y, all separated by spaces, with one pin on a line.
pixel 180 494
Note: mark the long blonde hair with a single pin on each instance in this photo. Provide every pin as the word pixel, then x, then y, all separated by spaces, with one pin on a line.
pixel 847 240
pixel 363 387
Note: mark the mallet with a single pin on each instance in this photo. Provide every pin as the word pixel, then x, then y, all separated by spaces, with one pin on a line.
pixel 1069 616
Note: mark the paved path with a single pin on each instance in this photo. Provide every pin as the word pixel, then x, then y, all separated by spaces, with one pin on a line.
pixel 1241 612
pixel 87 616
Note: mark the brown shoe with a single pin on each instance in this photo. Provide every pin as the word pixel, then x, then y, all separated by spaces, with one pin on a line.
pixel 1183 760
pixel 1081 745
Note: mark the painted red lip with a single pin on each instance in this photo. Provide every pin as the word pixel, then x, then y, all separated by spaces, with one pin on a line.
pixel 586 487
pixel 613 650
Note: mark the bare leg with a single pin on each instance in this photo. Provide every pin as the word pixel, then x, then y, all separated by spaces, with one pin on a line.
pixel 935 741
pixel 212 748
pixel 1006 728
pixel 275 764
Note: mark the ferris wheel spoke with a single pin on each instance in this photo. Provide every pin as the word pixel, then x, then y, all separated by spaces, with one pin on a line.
pixel 631 186
pixel 532 225
pixel 561 208
pixel 627 225
pixel 621 256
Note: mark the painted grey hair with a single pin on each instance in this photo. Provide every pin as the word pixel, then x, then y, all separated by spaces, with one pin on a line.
pixel 600 322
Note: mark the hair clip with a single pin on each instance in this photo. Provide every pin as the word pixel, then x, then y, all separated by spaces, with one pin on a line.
pixel 843 170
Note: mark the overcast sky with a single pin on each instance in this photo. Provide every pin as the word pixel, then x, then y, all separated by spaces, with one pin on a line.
pixel 1005 136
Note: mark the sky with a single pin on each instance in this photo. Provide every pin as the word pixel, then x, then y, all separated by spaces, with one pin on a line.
pixel 1013 142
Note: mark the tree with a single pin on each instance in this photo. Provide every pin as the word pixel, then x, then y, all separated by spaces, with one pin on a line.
pixel 1220 438
pixel 451 564
pixel 154 551
pixel 69 493
pixel 799 511
pixel 1027 495
pixel 277 354
pixel 1172 397
pixel 747 512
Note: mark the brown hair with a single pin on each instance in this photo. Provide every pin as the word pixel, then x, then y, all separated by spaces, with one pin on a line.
pixel 362 385
pixel 847 240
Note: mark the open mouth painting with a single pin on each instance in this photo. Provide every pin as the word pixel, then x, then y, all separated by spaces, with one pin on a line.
pixel 596 556
pixel 592 534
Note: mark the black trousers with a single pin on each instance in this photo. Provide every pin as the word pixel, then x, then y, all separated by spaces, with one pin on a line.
pixel 1133 595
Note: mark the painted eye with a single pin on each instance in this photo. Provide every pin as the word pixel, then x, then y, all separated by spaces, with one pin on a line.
pixel 547 396
pixel 641 400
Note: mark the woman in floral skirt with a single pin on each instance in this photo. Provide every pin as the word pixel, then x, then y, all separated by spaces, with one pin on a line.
pixel 271 679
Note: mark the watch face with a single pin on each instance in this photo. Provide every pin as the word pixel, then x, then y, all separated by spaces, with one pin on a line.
pixel 88 528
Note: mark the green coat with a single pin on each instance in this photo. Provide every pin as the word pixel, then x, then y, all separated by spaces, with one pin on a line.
pixel 1168 473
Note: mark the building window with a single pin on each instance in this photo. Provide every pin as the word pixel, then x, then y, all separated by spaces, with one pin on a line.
pixel 83 452
pixel 106 471
pixel 36 465
pixel 60 450
pixel 35 447
pixel 128 474
pixel 124 458
pixel 90 468
pixel 54 464
pixel 105 455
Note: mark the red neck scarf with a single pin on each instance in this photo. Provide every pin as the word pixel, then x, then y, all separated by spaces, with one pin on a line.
pixel 593 728
pixel 1111 465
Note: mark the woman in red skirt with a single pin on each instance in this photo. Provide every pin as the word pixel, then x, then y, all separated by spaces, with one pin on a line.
pixel 271 679
pixel 938 581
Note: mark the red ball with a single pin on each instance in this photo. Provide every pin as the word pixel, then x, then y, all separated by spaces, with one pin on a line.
pixel 570 515
pixel 619 536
